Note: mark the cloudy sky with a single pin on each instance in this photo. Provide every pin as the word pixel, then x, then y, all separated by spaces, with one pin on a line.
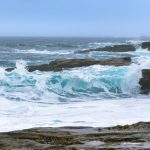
pixel 75 18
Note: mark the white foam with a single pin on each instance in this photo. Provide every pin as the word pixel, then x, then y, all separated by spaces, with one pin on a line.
pixel 43 52
pixel 2 73
pixel 102 44
pixel 135 42
pixel 16 115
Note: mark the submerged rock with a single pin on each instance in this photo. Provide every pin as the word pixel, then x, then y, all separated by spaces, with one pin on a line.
pixel 59 65
pixel 114 48
pixel 145 81
pixel 136 136
pixel 146 45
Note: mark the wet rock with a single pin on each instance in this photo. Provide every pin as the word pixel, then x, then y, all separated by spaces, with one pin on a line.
pixel 10 69
pixel 59 65
pixel 44 67
pixel 136 136
pixel 146 45
pixel 114 48
pixel 145 81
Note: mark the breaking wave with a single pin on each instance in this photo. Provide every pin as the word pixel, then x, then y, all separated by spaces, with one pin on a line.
pixel 97 82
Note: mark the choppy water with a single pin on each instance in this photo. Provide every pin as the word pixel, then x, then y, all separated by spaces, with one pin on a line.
pixel 88 96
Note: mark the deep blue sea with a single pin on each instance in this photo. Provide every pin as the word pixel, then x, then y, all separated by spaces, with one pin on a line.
pixel 87 96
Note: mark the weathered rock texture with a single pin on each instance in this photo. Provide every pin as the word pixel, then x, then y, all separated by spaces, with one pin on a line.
pixel 59 65
pixel 136 136
pixel 145 81
pixel 114 48
pixel 146 45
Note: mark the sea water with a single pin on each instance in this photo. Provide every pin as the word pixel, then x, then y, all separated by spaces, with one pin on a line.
pixel 97 95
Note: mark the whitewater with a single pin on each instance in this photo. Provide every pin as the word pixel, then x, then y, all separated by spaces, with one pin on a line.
pixel 97 96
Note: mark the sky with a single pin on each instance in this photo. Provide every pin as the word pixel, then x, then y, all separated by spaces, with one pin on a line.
pixel 87 18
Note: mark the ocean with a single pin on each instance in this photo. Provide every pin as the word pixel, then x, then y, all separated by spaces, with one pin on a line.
pixel 97 96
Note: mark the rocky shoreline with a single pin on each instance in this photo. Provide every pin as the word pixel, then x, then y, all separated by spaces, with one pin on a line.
pixel 136 136
pixel 114 48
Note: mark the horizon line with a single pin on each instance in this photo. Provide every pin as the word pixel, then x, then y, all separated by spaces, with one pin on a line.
pixel 24 36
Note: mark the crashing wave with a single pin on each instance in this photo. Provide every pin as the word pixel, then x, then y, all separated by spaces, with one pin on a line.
pixel 96 81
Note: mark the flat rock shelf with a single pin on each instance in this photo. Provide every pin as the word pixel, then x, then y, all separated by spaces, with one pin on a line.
pixel 136 136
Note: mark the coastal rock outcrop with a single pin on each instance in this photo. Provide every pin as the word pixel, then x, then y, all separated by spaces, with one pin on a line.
pixel 145 81
pixel 136 136
pixel 145 45
pixel 114 48
pixel 59 65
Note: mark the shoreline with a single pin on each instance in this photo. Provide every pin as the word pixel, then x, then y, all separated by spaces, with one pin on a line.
pixel 135 136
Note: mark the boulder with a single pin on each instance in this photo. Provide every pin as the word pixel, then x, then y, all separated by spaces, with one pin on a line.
pixel 146 45
pixel 145 81
pixel 114 48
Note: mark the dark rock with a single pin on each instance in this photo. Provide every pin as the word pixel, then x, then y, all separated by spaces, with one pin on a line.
pixel 136 136
pixel 145 81
pixel 146 45
pixel 44 67
pixel 115 48
pixel 10 69
pixel 59 65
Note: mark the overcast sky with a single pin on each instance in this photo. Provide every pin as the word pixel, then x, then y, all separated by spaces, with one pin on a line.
pixel 75 18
